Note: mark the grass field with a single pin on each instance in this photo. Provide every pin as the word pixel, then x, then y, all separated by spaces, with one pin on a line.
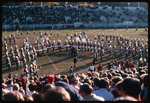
pixel 59 62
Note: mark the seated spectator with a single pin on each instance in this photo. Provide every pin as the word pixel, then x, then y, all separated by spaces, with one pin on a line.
pixel 16 87
pixel 75 83
pixel 13 96
pixel 46 87
pixel 28 98
pixel 9 83
pixel 103 90
pixel 38 97
pixel 96 81
pixel 57 94
pixel 125 98
pixel 86 92
pixel 144 92
pixel 74 94
pixel 131 87
pixel 21 90
pixel 118 88
pixel 32 88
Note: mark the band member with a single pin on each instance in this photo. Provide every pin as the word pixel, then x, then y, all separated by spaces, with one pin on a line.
pixel 10 39
pixel 11 49
pixel 28 57
pixel 113 37
pixel 127 52
pixel 99 36
pixel 95 47
pixel 79 45
pixel 106 36
pixel 26 39
pixel 115 51
pixel 88 44
pixel 59 45
pixel 110 48
pixel 53 45
pixel 91 46
pixel 73 43
pixel 12 57
pixel 5 39
pixel 8 63
pixel 14 39
pixel 110 36
pixel 66 45
pixel 70 44
pixel 43 48
pixel 102 41
pixel 85 45
pixel 76 44
pixel 47 45
pixel 98 46
pixel 24 61
pixel 94 58
pixel 82 45
pixel 17 63
pixel 16 48
pixel 133 53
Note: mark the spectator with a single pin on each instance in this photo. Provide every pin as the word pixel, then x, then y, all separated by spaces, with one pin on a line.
pixel 125 98
pixel 32 88
pixel 15 87
pixel 28 98
pixel 38 97
pixel 103 91
pixel 13 96
pixel 86 92
pixel 118 88
pixel 46 87
pixel 57 94
pixel 99 68
pixel 21 90
pixel 131 87
pixel 9 83
pixel 74 94
pixel 75 83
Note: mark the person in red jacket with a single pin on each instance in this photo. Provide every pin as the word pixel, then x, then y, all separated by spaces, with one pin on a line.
pixel 99 68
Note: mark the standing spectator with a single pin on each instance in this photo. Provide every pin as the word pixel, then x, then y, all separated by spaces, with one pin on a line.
pixel 75 62
pixel 91 68
pixel 71 70
pixel 94 59
pixel 100 67
pixel 86 92
pixel 103 90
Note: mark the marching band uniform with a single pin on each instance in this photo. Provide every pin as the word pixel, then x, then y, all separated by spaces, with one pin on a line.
pixel 59 45
pixel 91 45
pixel 66 45
pixel 17 63
pixel 9 39
pixel 53 45
pixel 98 46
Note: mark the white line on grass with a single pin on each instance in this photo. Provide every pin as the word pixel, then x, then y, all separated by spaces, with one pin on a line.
pixel 47 56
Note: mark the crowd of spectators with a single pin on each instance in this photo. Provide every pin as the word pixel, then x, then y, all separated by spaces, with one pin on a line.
pixel 58 14
pixel 127 84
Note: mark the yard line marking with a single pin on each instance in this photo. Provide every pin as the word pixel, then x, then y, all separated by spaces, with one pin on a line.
pixel 47 56
pixel 52 62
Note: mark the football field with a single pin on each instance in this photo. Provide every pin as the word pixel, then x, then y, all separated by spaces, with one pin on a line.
pixel 59 62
